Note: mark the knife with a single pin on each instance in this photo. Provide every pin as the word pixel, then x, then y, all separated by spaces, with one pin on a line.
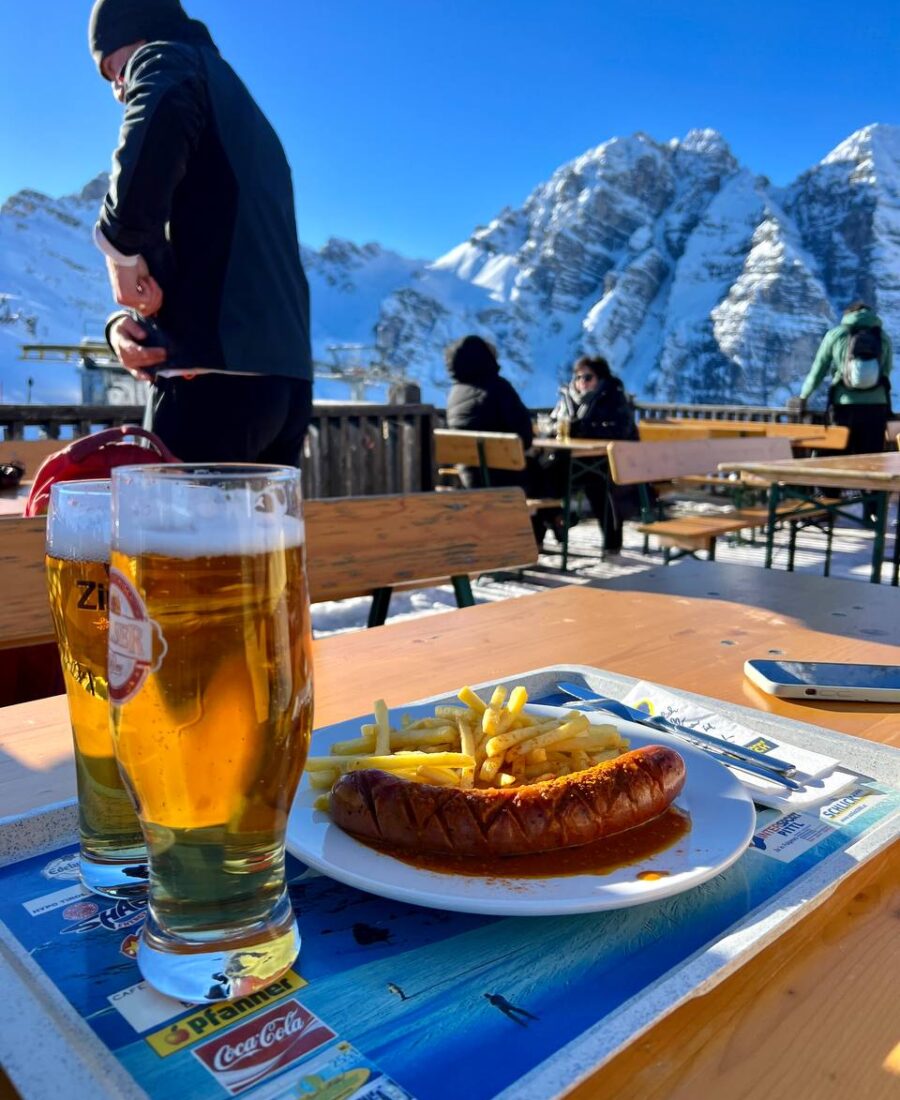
pixel 761 760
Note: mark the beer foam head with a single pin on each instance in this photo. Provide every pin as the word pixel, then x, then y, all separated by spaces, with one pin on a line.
pixel 79 521
pixel 180 519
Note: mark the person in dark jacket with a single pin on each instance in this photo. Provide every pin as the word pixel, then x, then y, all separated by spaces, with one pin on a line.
pixel 595 403
pixel 595 406
pixel 201 243
pixel 482 400
pixel 865 410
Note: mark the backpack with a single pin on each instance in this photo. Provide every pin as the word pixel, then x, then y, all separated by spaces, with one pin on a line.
pixel 93 456
pixel 861 369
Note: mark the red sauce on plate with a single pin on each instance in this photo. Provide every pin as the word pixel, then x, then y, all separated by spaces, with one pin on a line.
pixel 600 858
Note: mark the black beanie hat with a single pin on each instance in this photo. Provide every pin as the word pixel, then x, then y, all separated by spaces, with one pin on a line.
pixel 117 23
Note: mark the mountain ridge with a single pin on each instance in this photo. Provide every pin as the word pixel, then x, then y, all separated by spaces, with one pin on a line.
pixel 699 279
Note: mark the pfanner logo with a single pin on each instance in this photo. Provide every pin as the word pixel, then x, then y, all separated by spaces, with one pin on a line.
pixel 208 1019
pixel 262 1046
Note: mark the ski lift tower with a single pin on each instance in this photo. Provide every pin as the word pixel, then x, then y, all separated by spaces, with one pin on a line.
pixel 358 365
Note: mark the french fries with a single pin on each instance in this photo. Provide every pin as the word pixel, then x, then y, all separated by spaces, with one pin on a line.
pixel 480 744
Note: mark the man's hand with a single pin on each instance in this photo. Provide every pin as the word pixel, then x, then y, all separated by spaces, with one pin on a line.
pixel 125 336
pixel 135 287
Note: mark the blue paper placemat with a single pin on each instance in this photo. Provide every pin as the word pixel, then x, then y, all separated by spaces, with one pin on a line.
pixel 389 1000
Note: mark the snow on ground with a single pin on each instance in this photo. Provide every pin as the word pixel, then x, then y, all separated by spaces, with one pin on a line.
pixel 851 560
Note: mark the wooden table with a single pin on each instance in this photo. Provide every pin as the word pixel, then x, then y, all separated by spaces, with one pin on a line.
pixel 815 1013
pixel 12 501
pixel 580 448
pixel 802 436
pixel 583 457
pixel 877 474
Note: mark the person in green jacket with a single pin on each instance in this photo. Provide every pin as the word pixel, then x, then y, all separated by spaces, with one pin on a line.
pixel 856 357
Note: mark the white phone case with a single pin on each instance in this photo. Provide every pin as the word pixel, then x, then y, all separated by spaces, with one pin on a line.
pixel 844 692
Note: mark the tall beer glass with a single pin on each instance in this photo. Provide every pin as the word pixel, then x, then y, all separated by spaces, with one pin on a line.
pixel 113 855
pixel 211 708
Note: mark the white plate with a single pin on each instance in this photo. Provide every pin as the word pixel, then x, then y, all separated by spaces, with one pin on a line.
pixel 722 822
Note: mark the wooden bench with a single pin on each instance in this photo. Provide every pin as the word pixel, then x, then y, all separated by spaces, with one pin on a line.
pixel 647 464
pixel 817 437
pixel 30 452
pixel 485 451
pixel 361 546
pixel 357 546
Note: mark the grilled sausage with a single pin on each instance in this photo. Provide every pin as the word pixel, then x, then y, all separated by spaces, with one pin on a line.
pixel 540 817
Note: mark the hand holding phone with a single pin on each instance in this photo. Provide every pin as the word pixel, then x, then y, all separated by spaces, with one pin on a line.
pixel 131 340
pixel 826 680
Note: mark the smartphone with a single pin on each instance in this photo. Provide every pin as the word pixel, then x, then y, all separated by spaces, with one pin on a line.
pixel 824 680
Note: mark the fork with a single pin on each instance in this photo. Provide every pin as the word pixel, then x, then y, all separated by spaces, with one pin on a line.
pixel 735 756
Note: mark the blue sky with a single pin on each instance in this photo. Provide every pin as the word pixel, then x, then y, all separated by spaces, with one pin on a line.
pixel 410 122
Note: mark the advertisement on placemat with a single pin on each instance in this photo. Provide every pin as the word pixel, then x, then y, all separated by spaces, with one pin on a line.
pixel 390 1000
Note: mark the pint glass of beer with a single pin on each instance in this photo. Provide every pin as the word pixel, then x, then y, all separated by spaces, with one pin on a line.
pixel 113 855
pixel 211 709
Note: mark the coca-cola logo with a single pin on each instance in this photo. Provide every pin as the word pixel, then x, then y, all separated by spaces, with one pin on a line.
pixel 263 1045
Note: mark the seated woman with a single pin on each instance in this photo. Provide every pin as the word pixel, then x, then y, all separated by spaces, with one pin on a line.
pixel 596 407
pixel 481 400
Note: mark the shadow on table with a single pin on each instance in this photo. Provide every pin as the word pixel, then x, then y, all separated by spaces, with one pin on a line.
pixel 851 609
pixel 43 785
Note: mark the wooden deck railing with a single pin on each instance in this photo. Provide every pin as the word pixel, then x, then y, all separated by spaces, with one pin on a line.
pixel 657 410
pixel 361 450
pixel 64 421
pixel 350 450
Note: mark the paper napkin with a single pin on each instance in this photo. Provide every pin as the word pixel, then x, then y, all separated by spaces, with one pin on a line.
pixel 820 775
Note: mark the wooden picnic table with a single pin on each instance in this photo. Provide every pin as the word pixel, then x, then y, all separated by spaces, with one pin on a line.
pixel 802 436
pixel 583 457
pixel 583 448
pixel 877 474
pixel 873 472
pixel 814 1014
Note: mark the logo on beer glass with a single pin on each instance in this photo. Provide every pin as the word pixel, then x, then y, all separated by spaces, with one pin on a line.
pixel 136 642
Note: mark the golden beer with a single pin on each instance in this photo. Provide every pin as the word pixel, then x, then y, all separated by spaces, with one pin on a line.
pixel 211 689
pixel 113 856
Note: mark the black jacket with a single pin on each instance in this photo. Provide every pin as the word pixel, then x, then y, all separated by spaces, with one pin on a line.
pixel 202 189
pixel 604 413
pixel 489 405
pixel 480 400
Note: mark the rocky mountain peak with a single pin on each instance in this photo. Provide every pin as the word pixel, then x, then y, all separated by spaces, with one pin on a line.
pixel 706 141
pixel 93 193
pixel 697 278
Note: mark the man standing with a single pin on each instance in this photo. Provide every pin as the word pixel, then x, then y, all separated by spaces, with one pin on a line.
pixel 856 357
pixel 199 235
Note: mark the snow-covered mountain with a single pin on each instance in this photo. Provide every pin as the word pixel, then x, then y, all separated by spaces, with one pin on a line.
pixel 698 279
pixel 53 287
